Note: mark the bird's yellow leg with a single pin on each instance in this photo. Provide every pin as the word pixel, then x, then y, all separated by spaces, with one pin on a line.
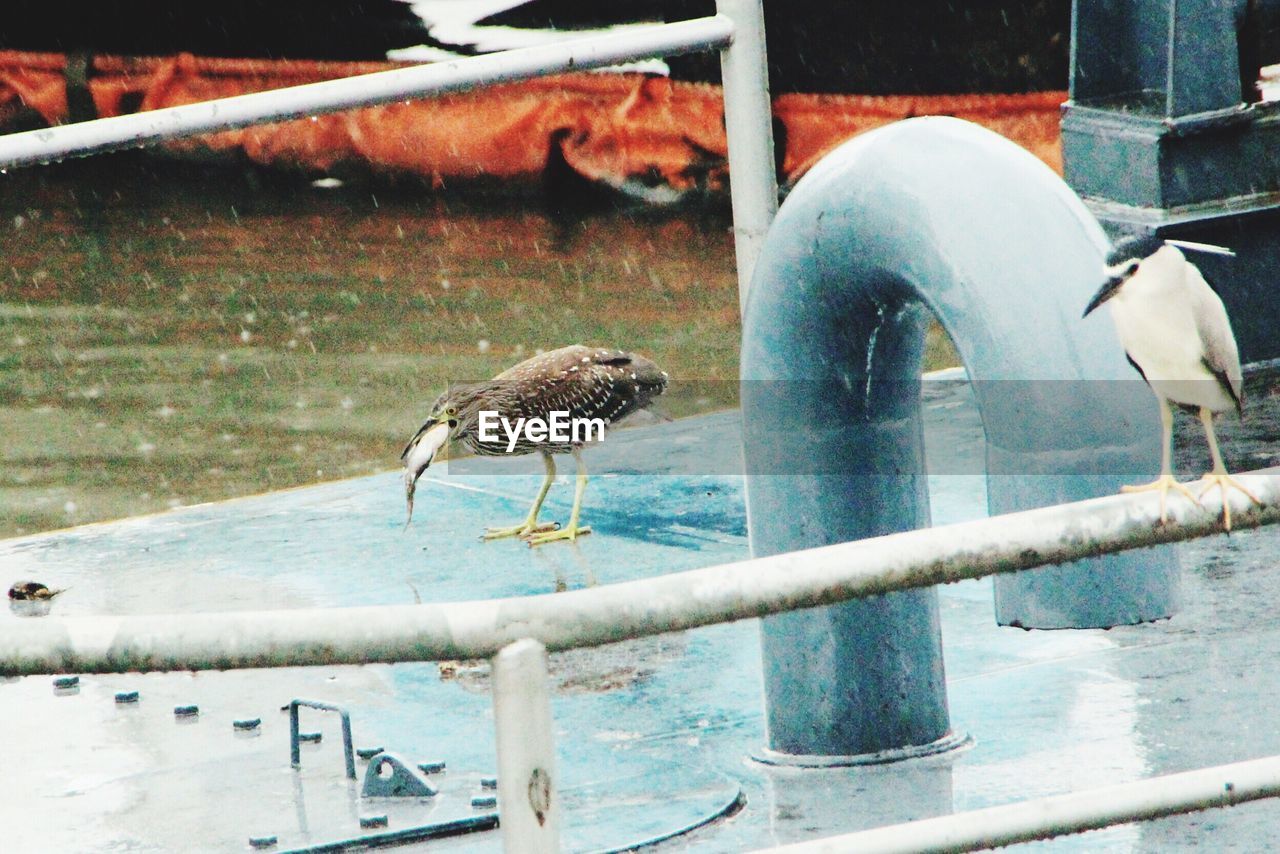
pixel 571 531
pixel 530 524
pixel 1165 481
pixel 1219 477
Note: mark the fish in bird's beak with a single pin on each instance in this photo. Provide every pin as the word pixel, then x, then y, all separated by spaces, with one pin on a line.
pixel 418 455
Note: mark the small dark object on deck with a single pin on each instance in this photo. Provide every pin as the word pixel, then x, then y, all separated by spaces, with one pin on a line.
pixel 126 697
pixel 313 737
pixel 373 821
pixel 64 682
pixel 484 802
pixel 246 724
pixel 488 782
pixel 431 767
pixel 186 711
pixel 263 841
pixel 24 591
pixel 368 752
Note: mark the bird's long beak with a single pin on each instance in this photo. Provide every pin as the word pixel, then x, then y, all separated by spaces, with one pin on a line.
pixel 1109 288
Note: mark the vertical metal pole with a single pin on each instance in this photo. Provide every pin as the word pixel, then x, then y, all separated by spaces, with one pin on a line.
pixel 295 743
pixel 348 750
pixel 527 797
pixel 748 121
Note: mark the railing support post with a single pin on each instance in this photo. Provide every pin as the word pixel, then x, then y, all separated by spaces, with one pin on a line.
pixel 748 120
pixel 528 800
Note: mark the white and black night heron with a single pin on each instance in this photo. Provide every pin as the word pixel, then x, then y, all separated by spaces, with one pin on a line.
pixel 1175 331
pixel 584 384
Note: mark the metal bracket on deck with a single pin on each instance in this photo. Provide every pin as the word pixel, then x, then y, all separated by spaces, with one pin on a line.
pixel 402 781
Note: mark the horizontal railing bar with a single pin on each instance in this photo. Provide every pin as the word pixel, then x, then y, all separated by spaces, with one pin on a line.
pixel 589 617
pixel 366 90
pixel 1060 815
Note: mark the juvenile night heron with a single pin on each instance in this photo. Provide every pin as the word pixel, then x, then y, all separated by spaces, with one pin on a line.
pixel 581 383
pixel 1175 331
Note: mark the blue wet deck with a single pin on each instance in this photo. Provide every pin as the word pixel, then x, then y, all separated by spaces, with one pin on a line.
pixel 653 734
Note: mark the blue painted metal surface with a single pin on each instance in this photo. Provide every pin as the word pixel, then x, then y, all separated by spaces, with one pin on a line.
pixel 652 735
pixel 927 215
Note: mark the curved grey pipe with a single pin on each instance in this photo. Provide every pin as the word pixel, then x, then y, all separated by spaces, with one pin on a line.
pixel 928 216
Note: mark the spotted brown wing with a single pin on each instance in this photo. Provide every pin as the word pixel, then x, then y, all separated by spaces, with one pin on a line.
pixel 585 382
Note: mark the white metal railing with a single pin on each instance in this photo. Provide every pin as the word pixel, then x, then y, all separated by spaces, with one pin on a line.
pixel 1059 815
pixel 589 617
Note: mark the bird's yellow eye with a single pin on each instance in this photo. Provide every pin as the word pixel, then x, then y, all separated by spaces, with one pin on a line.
pixel 451 411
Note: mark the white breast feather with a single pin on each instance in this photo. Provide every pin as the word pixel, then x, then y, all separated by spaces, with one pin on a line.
pixel 1156 323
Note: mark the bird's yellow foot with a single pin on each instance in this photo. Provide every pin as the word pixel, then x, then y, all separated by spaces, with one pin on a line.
pixel 1222 480
pixel 525 530
pixel 571 533
pixel 1162 484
